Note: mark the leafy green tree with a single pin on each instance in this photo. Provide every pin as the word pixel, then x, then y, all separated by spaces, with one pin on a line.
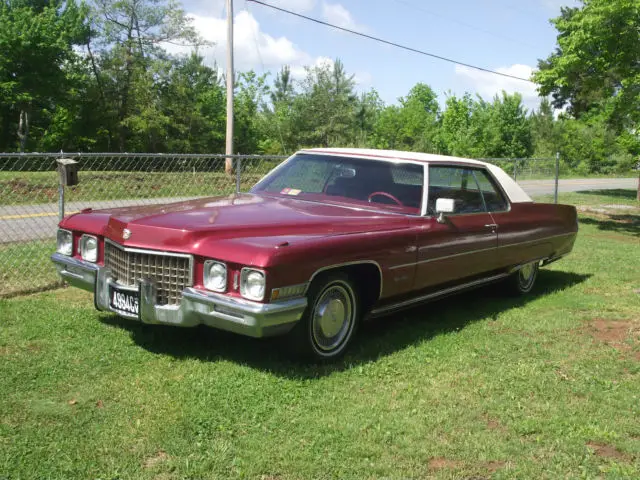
pixel 324 111
pixel 194 100
pixel 368 109
pixel 455 135
pixel 36 65
pixel 505 126
pixel 130 34
pixel 595 67
pixel 249 105
pixel 419 119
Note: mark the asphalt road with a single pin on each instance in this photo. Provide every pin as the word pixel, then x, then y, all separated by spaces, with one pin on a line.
pixel 20 223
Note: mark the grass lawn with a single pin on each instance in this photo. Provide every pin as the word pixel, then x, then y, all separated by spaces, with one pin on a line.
pixel 475 386
pixel 28 188
pixel 26 267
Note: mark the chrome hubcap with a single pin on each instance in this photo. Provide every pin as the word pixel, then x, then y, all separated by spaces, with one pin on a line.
pixel 527 274
pixel 332 317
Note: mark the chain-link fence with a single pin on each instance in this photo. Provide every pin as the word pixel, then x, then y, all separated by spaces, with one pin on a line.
pixel 32 199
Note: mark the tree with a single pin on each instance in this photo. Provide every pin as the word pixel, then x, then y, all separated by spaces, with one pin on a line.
pixel 507 129
pixel 324 111
pixel 419 119
pixel 596 65
pixel 455 135
pixel 130 35
pixel 194 99
pixel 36 63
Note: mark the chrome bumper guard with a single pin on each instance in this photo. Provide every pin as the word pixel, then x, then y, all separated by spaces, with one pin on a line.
pixel 196 307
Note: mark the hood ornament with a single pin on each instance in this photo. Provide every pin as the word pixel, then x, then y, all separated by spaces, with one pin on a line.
pixel 126 234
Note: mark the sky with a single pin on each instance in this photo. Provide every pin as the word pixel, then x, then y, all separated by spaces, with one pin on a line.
pixel 509 36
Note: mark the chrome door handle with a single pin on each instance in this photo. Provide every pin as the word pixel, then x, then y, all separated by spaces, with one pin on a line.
pixel 492 226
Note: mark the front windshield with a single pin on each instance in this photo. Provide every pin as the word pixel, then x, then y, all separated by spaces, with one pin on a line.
pixel 360 182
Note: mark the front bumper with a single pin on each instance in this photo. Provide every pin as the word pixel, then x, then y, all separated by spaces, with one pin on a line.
pixel 197 306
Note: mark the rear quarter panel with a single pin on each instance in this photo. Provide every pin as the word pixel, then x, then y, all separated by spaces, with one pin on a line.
pixel 531 231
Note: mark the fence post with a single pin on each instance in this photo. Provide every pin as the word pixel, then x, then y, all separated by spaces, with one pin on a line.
pixel 60 193
pixel 555 189
pixel 238 173
pixel 515 169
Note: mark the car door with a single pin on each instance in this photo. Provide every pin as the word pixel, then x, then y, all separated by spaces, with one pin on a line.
pixel 464 244
pixel 518 230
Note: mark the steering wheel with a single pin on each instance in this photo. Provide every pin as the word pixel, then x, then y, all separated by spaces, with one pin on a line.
pixel 385 194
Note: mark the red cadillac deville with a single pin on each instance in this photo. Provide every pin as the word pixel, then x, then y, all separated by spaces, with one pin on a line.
pixel 328 238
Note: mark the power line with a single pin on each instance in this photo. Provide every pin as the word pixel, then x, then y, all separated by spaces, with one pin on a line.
pixel 393 44
pixel 464 24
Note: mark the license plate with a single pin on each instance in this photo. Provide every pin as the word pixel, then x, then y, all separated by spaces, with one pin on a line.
pixel 125 302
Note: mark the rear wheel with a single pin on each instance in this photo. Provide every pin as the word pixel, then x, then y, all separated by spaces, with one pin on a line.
pixel 523 280
pixel 330 320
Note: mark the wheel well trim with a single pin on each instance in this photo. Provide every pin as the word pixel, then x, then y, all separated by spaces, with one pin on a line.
pixel 337 266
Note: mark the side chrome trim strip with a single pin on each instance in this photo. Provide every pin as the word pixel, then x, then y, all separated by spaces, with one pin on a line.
pixel 434 295
pixel 346 264
pixel 405 265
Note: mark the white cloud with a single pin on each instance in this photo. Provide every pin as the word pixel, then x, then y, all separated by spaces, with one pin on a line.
pixel 338 15
pixel 299 72
pixel 253 48
pixel 487 84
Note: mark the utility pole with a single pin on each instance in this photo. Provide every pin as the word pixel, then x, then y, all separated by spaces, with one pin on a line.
pixel 228 164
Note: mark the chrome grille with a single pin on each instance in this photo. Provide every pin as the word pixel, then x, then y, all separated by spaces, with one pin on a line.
pixel 171 272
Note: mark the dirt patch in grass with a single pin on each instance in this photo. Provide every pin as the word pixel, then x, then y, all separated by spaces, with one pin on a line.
pixel 610 331
pixel 613 332
pixel 438 463
pixel 494 424
pixel 607 451
pixel 160 457
pixel 495 466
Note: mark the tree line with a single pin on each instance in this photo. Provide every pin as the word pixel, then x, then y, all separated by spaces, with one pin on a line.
pixel 96 77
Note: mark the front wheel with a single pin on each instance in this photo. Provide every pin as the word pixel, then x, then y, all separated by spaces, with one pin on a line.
pixel 329 321
pixel 523 280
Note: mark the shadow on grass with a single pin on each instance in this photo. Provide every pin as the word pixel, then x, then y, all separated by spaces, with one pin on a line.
pixel 627 194
pixel 376 338
pixel 629 224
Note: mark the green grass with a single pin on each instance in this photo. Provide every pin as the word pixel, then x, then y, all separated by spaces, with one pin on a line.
pixel 25 267
pixel 595 198
pixel 25 188
pixel 476 386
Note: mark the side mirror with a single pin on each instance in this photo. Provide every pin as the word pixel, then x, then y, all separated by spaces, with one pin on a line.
pixel 444 206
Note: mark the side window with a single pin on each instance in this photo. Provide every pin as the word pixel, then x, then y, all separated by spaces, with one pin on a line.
pixel 493 197
pixel 457 183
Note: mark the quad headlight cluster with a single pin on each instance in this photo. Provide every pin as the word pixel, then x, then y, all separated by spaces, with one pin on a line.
pixel 89 248
pixel 252 282
pixel 65 242
pixel 215 276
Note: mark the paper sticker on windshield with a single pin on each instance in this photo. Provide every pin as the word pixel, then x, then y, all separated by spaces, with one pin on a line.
pixel 285 191
pixel 290 191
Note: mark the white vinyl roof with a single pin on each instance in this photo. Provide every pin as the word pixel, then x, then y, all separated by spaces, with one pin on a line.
pixel 514 191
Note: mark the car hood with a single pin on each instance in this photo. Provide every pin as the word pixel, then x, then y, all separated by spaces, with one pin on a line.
pixel 181 225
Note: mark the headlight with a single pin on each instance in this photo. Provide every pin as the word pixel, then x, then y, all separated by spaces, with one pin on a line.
pixel 89 248
pixel 215 276
pixel 65 242
pixel 252 284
